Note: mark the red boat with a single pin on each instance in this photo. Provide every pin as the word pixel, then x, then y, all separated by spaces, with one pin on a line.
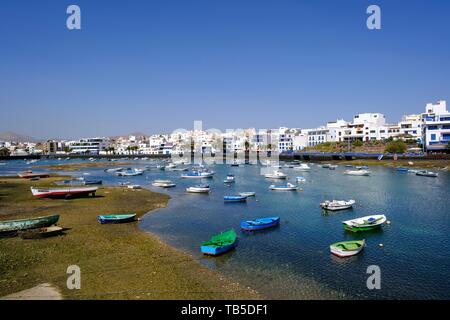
pixel 63 192
pixel 30 175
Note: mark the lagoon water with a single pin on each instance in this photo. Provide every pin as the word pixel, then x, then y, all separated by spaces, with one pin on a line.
pixel 293 260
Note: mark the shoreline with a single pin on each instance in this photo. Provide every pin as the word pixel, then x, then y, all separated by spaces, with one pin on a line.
pixel 119 261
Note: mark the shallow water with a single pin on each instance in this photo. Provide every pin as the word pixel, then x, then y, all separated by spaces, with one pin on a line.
pixel 293 260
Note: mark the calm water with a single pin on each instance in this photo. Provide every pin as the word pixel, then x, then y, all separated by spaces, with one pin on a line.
pixel 293 260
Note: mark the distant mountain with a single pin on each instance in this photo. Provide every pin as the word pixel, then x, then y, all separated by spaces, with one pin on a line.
pixel 14 137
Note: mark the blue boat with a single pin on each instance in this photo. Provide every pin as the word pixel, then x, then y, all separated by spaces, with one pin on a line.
pixel 259 224
pixel 116 218
pixel 91 182
pixel 220 243
pixel 401 169
pixel 234 199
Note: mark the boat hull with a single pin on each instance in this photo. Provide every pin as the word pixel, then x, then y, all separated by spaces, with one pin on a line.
pixel 118 218
pixel 343 253
pixel 25 224
pixel 271 222
pixel 216 251
pixel 63 193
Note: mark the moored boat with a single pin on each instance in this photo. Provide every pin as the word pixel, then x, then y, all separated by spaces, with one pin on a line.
pixel 347 248
pixel 134 186
pixel 92 182
pixel 203 188
pixel 200 174
pixel 260 223
pixel 425 173
pixel 332 167
pixel 357 172
pixel 234 199
pixel 163 183
pixel 116 218
pixel 220 243
pixel 335 205
pixel 41 232
pixel 300 179
pixel 401 169
pixel 365 223
pixel 30 175
pixel 247 194
pixel 30 223
pixel 276 175
pixel 302 167
pixel 287 187
pixel 229 179
pixel 63 192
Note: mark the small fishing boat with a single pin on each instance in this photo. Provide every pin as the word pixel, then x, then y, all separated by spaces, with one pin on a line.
pixel 357 172
pixel 347 248
pixel 92 182
pixel 116 218
pixel 413 171
pixel 30 223
pixel 300 179
pixel 29 175
pixel 229 179
pixel 203 188
pixel 134 186
pixel 235 164
pixel 401 169
pixel 259 224
pixel 276 175
pixel 287 187
pixel 63 192
pixel 234 199
pixel 201 174
pixel 41 232
pixel 130 173
pixel 247 194
pixel 113 170
pixel 302 167
pixel 163 183
pixel 361 167
pixel 335 205
pixel 220 243
pixel 425 173
pixel 326 165
pixel 365 223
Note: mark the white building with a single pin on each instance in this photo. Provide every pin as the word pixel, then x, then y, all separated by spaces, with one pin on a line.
pixel 89 145
pixel 436 126
pixel 411 126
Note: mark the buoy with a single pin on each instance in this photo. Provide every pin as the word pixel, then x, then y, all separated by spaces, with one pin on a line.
pixel 388 222
pixel 381 245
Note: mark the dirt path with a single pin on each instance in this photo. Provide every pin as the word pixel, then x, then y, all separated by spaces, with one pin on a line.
pixel 44 291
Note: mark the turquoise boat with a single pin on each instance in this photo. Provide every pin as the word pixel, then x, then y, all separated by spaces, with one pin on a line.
pixel 25 224
pixel 220 243
pixel 116 218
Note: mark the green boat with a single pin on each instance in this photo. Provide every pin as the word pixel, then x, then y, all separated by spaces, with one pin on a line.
pixel 347 248
pixel 25 224
pixel 220 243
pixel 116 218
pixel 365 223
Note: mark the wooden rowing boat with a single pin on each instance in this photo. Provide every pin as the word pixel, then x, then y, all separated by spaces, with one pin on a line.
pixel 30 223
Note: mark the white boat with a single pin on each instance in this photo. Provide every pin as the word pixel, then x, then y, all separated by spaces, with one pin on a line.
pixel 2 164
pixel 425 173
pixel 300 179
pixel 413 171
pixel 276 175
pixel 347 248
pixel 332 167
pixel 130 173
pixel 229 179
pixel 163 183
pixel 198 189
pixel 335 205
pixel 62 192
pixel 288 187
pixel 357 172
pixel 112 170
pixel 365 223
pixel 302 167
pixel 247 194
pixel 134 186
pixel 326 165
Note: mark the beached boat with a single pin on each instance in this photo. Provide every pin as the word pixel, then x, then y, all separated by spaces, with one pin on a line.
pixel 276 175
pixel 41 232
pixel 229 179
pixel 357 172
pixel 201 174
pixel 63 192
pixel 163 183
pixel 287 187
pixel 134 186
pixel 220 243
pixel 203 188
pixel 425 173
pixel 365 223
pixel 247 194
pixel 335 205
pixel 116 218
pixel 347 248
pixel 92 182
pixel 234 199
pixel 30 175
pixel 30 223
pixel 259 224
pixel 302 167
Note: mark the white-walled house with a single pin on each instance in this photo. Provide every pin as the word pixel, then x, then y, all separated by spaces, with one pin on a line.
pixel 436 126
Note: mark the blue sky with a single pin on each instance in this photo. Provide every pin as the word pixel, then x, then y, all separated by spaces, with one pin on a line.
pixel 155 66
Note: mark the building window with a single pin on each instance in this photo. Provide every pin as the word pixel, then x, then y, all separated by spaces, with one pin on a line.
pixel 433 137
pixel 432 127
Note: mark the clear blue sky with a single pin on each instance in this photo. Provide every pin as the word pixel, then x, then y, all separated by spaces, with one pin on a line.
pixel 155 66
